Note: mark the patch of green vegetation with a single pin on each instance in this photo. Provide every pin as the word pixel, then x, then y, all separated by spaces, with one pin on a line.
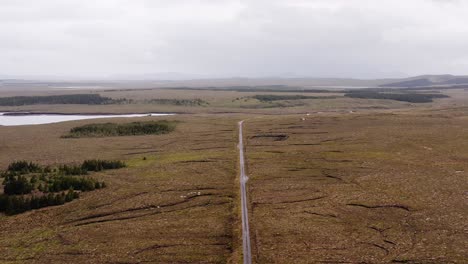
pixel 91 99
pixel 16 185
pixel 127 129
pixel 137 162
pixel 60 183
pixel 405 97
pixel 23 167
pixel 90 165
pixel 190 156
pixel 99 165
pixel 272 97
pixel 26 245
pixel 174 158
pixel 260 155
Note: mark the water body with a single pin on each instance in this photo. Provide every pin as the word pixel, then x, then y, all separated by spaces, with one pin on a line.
pixel 39 119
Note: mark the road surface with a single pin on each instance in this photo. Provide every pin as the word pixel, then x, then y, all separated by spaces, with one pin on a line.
pixel 245 217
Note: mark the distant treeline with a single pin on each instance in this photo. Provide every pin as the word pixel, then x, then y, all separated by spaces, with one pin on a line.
pixel 179 102
pixel 126 129
pixel 271 97
pixel 91 99
pixel 405 97
pixel 27 185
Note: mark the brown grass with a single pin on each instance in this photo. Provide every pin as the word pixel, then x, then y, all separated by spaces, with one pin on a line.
pixel 178 205
pixel 371 188
pixel 356 181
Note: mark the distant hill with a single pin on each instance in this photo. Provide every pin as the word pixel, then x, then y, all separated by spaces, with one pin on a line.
pixel 176 80
pixel 429 80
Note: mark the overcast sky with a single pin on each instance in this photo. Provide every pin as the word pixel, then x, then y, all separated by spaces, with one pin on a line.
pixel 224 38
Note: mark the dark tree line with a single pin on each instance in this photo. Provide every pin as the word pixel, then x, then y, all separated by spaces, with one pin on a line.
pixel 57 184
pixel 90 165
pixel 17 185
pixel 71 170
pixel 18 204
pixel 24 167
pixel 127 129
pixel 273 97
pixel 99 165
pixel 91 99
pixel 181 102
pixel 405 97
pixel 27 185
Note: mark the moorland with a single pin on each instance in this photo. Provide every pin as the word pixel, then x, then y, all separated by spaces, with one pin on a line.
pixel 335 175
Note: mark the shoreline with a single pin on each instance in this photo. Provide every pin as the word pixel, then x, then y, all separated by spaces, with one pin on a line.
pixel 16 113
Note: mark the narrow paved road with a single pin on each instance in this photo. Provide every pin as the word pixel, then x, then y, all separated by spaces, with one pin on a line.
pixel 245 217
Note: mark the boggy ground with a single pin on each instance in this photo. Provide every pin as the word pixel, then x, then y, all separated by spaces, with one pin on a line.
pixel 359 188
pixel 176 206
pixel 355 181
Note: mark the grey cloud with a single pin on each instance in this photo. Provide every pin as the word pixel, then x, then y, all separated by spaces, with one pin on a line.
pixel 319 38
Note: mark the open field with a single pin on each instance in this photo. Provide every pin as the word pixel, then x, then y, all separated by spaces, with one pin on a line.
pixel 178 205
pixel 371 188
pixel 336 180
